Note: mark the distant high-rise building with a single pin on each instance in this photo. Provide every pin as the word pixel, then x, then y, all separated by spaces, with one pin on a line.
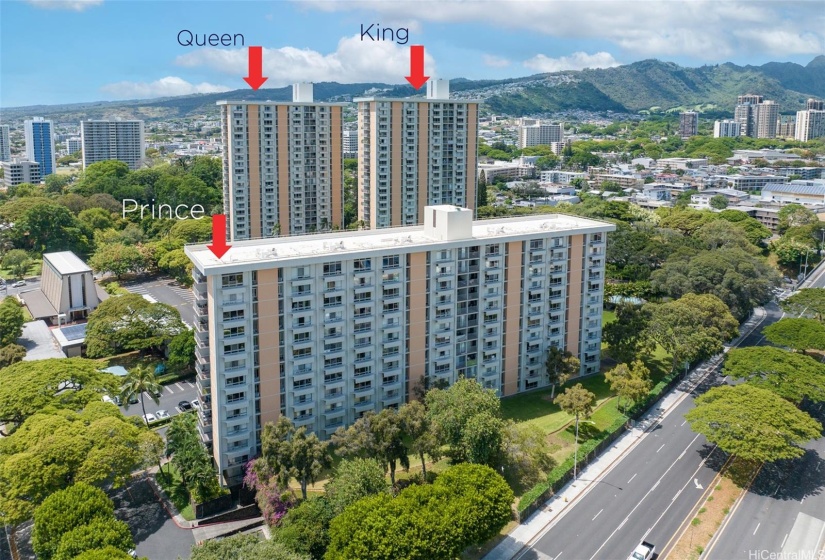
pixel 688 124
pixel 785 129
pixel 283 165
pixel 810 124
pixel 726 129
pixel 756 116
pixel 815 105
pixel 415 153
pixel 40 144
pixel 20 171
pixel 5 145
pixel 74 145
pixel 104 140
pixel 539 133
pixel 350 144
pixel 767 114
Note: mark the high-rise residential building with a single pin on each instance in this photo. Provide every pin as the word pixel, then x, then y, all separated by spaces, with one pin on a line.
pixel 810 124
pixel 104 140
pixel 39 134
pixel 786 128
pixel 283 166
pixel 688 124
pixel 756 116
pixel 350 144
pixel 74 145
pixel 767 114
pixel 540 134
pixel 414 153
pixel 324 328
pixel 815 104
pixel 20 171
pixel 726 129
pixel 5 144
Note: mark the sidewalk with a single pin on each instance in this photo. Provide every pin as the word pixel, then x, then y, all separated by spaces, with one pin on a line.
pixel 531 530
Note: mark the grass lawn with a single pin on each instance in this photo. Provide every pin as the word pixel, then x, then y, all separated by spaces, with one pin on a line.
pixel 33 270
pixel 172 484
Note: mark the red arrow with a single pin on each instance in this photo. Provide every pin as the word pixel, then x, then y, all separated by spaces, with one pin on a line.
pixel 256 61
pixel 417 77
pixel 219 246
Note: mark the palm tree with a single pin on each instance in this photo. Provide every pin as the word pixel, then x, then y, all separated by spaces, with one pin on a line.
pixel 140 380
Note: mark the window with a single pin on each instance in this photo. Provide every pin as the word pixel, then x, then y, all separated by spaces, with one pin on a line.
pixel 233 315
pixel 329 301
pixel 237 380
pixel 332 268
pixel 362 264
pixel 302 383
pixel 232 280
pixel 391 292
pixel 333 377
pixel 234 348
pixel 233 331
pixel 302 337
pixel 301 352
pixel 235 397
pixel 366 296
pixel 390 307
pixel 391 261
pixel 298 305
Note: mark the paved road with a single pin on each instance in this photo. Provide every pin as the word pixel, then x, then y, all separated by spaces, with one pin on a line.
pixel 649 493
pixel 7 290
pixel 165 290
pixel 172 395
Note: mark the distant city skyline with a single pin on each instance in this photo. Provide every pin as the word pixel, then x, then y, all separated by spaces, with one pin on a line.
pixel 82 55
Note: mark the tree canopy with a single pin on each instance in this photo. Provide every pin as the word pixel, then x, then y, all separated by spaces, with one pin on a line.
pixel 808 302
pixel 798 334
pixel 243 547
pixel 792 376
pixel 11 321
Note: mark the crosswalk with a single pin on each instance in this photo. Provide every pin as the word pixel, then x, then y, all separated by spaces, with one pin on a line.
pixel 144 288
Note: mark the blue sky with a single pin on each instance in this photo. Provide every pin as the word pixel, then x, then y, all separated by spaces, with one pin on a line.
pixel 65 51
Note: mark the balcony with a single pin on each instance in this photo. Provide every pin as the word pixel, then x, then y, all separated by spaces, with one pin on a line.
pixel 205 433
pixel 203 386
pixel 202 368
pixel 361 405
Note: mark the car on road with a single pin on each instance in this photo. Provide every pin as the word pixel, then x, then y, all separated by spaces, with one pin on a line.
pixel 643 552
pixel 149 418
pixel 19 284
pixel 196 404
pixel 183 406
pixel 161 414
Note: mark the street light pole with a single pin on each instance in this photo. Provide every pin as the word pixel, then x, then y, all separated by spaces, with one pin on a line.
pixel 576 452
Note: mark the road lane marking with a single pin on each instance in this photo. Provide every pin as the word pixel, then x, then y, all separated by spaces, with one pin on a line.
pixel 169 389
pixel 676 496
pixel 179 386
pixel 595 516
pixel 660 448
pixel 802 500
pixel 757 528
pixel 683 423
pixel 557 555
pixel 631 478
pixel 783 541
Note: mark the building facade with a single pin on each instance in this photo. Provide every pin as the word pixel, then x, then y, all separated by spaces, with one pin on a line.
pixel 540 133
pixel 16 172
pixel 350 144
pixel 766 118
pixel 414 153
pixel 756 116
pixel 688 124
pixel 324 328
pixel 112 140
pixel 283 166
pixel 810 124
pixel 39 134
pixel 726 129
pixel 5 144
pixel 74 145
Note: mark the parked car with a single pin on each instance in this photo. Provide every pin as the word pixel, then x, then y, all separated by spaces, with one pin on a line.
pixel 157 393
pixel 133 399
pixel 196 404
pixel 19 284
pixel 149 418
pixel 161 414
pixel 183 406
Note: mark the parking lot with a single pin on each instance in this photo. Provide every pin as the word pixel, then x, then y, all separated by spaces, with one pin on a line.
pixel 165 290
pixel 169 399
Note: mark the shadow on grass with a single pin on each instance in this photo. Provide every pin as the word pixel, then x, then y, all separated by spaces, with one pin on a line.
pixel 173 486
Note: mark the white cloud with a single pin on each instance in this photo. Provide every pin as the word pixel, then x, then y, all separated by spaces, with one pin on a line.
pixel 576 61
pixel 165 87
pixel 73 5
pixel 353 61
pixel 706 29
pixel 495 61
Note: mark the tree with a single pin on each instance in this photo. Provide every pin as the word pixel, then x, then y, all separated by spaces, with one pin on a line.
pixel 560 365
pixel 481 188
pixel 629 383
pixel 190 458
pixel 152 449
pixel 48 227
pixel 99 533
pixel 176 264
pixel 798 334
pixel 525 454
pixel 182 351
pixel 107 553
pixel 794 377
pixel 467 504
pixel 118 259
pixel 794 215
pixel 719 201
pixel 65 510
pixel 626 337
pixel 806 302
pixel 273 500
pixel 752 423
pixel 450 411
pixel 243 547
pixel 305 529
pixel 355 479
pixel 11 354
pixel 11 321
pixel 578 401
pixel 379 436
pixel 139 381
pixel 96 218
pixel 289 453
pixel 418 428
pixel 17 261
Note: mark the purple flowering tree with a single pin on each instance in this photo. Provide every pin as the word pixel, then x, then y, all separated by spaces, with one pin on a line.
pixel 273 500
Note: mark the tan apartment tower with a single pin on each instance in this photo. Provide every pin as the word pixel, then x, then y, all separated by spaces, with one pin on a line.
pixel 283 170
pixel 414 153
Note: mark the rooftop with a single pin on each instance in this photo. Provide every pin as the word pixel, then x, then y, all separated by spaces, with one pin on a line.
pixel 280 251
pixel 814 188
pixel 66 262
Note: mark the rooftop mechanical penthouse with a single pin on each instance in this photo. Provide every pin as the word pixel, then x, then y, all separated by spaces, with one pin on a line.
pixel 323 328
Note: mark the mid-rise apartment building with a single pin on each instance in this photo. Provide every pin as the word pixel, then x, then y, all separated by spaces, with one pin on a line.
pixel 810 124
pixel 350 144
pixel 414 153
pixel 103 140
pixel 726 129
pixel 324 328
pixel 39 134
pixel 74 145
pixel 5 144
pixel 283 166
pixel 540 133
pixel 16 172
pixel 688 124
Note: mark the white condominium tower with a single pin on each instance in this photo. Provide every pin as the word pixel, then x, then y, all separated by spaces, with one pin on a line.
pixel 810 123
pixel 283 167
pixel 103 140
pixel 326 327
pixel 756 116
pixel 539 133
pixel 414 153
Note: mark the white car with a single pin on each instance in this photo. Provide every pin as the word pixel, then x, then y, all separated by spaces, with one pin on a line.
pixel 19 284
pixel 196 404
pixel 149 418
pixel 161 414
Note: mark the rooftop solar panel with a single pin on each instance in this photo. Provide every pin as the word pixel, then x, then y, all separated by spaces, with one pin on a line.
pixel 74 332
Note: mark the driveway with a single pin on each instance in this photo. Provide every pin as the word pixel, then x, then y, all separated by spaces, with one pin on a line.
pixel 165 290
